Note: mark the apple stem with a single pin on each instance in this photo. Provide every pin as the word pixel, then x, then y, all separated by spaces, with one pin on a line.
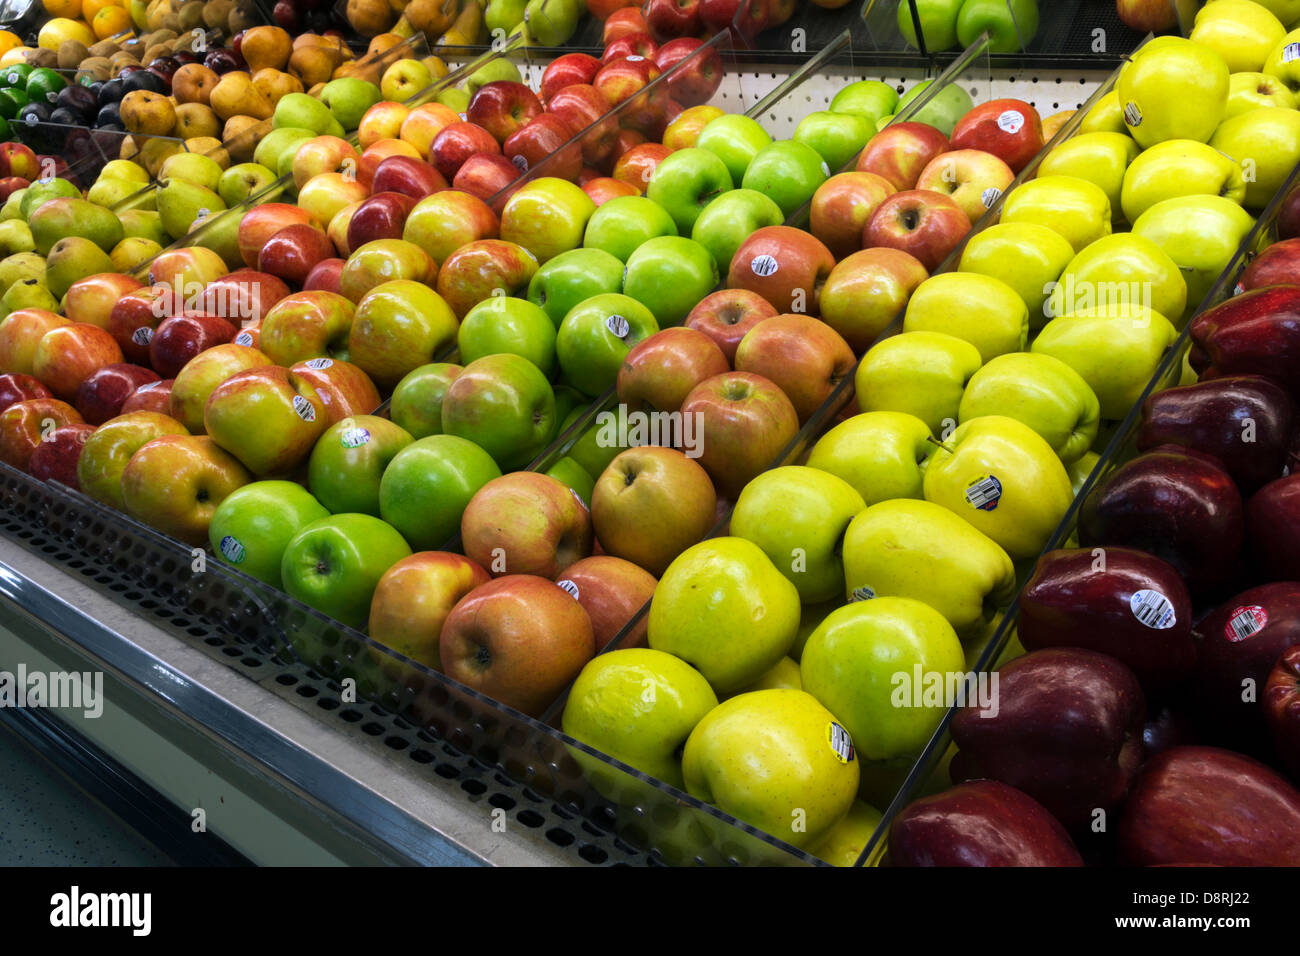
pixel 934 441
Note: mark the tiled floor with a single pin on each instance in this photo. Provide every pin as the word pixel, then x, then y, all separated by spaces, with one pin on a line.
pixel 46 820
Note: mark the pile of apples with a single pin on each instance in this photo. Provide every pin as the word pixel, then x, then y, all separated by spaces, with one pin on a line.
pixel 956 24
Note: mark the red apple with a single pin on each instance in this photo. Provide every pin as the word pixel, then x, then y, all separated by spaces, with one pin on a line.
pixel 503 107
pixel 488 176
pixel 727 315
pixel 11 184
pixel 68 354
pixel 611 591
pixel 20 332
pixel 526 523
pixel 55 458
pixel 260 223
pixel 974 179
pixel 180 338
pixel 267 417
pixel 244 295
pixel 1279 264
pixel 586 110
pixel 15 387
pixel 379 151
pixel 1009 129
pixel 638 164
pixel 866 290
pixel 924 224
pixel 1273 529
pixel 746 422
pixel 291 253
pixel 699 75
pixel 407 175
pixel 621 22
pixel 24 425
pixel 641 45
pixel 150 397
pixel 601 189
pixel 343 388
pixel 786 266
pixel 104 392
pixel 17 159
pixel 324 277
pixel 660 371
pixel 898 153
pixel 424 123
pixel 442 223
pixel 545 138
pixel 620 80
pixel 382 216
pixel 841 208
pixel 414 598
pixel 802 356
pixel 457 143
pixel 91 299
pixel 565 71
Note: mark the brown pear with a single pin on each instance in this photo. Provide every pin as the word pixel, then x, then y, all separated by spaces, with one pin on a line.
pixel 194 120
pixel 312 64
pixel 147 114
pixel 191 15
pixel 274 84
pixel 194 83
pixel 210 147
pixel 370 17
pixel 382 44
pixel 235 94
pixel 431 16
pixel 266 47
pixel 241 136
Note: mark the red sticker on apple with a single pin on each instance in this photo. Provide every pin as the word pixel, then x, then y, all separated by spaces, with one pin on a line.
pixel 1245 621
pixel 306 411
pixel 764 266
pixel 1012 121
pixel 840 742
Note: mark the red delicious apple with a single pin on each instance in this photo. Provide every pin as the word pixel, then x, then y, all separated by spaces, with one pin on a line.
pixel 611 591
pixel 526 523
pixel 786 266
pixel 924 224
pixel 1279 264
pixel 16 388
pixel 746 421
pixel 586 110
pixel 1256 333
pixel 457 143
pixel 1239 643
pixel 982 823
pixel 1288 215
pixel 291 253
pixel 24 425
pixel 900 152
pixel 55 458
pixel 408 176
pixel 1009 129
pixel 673 18
pixel 727 315
pixel 660 371
pixel 136 315
pixel 103 393
pixel 1210 806
pixel 180 338
pixel 150 397
pixel 1273 529
pixel 699 75
pixel 502 107
pixel 1281 701
pixel 519 639
pixel 381 216
pixel 567 70
pixel 545 137
pixel 803 356
pixel 1066 729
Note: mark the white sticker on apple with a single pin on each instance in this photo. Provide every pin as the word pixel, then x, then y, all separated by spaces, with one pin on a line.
pixel 355 437
pixel 635 59
pixel 1132 114
pixel 764 266
pixel 1291 52
pixel 319 363
pixel 306 411
pixel 1153 609
pixel 142 336
pixel 984 493
pixel 568 587
pixel 244 338
pixel 232 550
pixel 863 593
pixel 840 742
pixel 1012 121
pixel 989 196
pixel 618 325
pixel 1246 621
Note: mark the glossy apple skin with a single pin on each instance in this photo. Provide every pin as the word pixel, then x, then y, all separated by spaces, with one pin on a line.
pixel 24 425
pixel 585 109
pixel 527 523
pixel 566 71
pixel 55 459
pixel 699 79
pixel 802 356
pixel 244 295
pixel 802 261
pixel 293 252
pixel 660 371
pixel 1177 504
pixel 150 397
pixel 262 222
pixel 343 388
pixel 92 299
pixel 414 597
pixel 927 225
pixel 20 332
pixel 409 176
pixel 898 153
pixel 16 388
pixel 982 823
pixel 325 276
pixel 1228 659
pixel 1273 529
pixel 1210 806
pixel 1072 600
pixel 1067 731
pixel 1211 417
pixel 1281 702
pixel 746 421
pixel 381 216
pixel 67 355
pixel 487 176
pixel 545 137
pixel 727 315
pixel 136 316
pixel 987 127
pixel 1255 333
pixel 502 107
pixel 101 396
pixel 611 591
pixel 1279 264
pixel 457 143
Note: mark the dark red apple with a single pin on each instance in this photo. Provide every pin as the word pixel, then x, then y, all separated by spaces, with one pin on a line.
pixel 407 175
pixel 1282 708
pixel 699 78
pixel 1279 264
pixel 1255 333
pixel 458 142
pixel 382 216
pixel 1273 528
pixel 324 276
pixel 1009 129
pixel 15 387
pixel 55 457
pixel 102 393
pixel 151 397
pixel 244 295
pixel 545 138
pixel 291 253
pixel 502 107
pixel 673 18
pixel 566 71
pixel 182 337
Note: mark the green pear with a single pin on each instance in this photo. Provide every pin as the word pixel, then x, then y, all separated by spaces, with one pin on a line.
pixel 267 153
pixel 192 168
pixel 15 237
pixel 490 72
pixel 552 22
pixel 125 169
pixel 71 259
pixel 108 191
pixel 503 14
pixel 12 208
pixel 220 233
pixel 348 98
pixel 243 180
pixel 305 112
pixel 142 224
pixel 28 294
pixel 180 203
pixel 65 216
pixel 453 98
pixel 20 266
pixel 44 190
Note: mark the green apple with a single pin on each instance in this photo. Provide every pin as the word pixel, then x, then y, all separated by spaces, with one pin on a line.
pixel 878 453
pixel 735 139
pixel 938 23
pixel 504 404
pixel 503 14
pixel 1011 24
pixel 1180 167
pixel 777 760
pixel 1100 158
pixel 1265 144
pixel 498 69
pixel 920 373
pixel 837 137
pixel 725 609
pixel 417 400
pixel 300 111
pixel 1105 117
pixel 865 662
pixel 456 99
pixel 1281 62
pixel 797 515
pixel 503 324
pixel 1080 470
pixel 1172 88
pixel 686 181
pixel 1250 91
pixel 788 171
pixel 623 223
pixel 547 216
pixel 576 477
pixel 1003 478
pixel 670 275
pixel 943 108
pixel 427 485
pixel 1121 268
pixel 1040 391
pixel 1242 32
pixel 638 705
pixel 573 277
pixel 1114 350
pixel 979 309
pixel 783 674
pixel 349 97
pixel 901 548
pixel 1073 208
pixel 596 336
pixel 1200 233
pixel 1026 256
pixel 348 461
pixel 724 224
pixel 870 98
pixel 334 564
pixel 254 524
pixel 552 22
